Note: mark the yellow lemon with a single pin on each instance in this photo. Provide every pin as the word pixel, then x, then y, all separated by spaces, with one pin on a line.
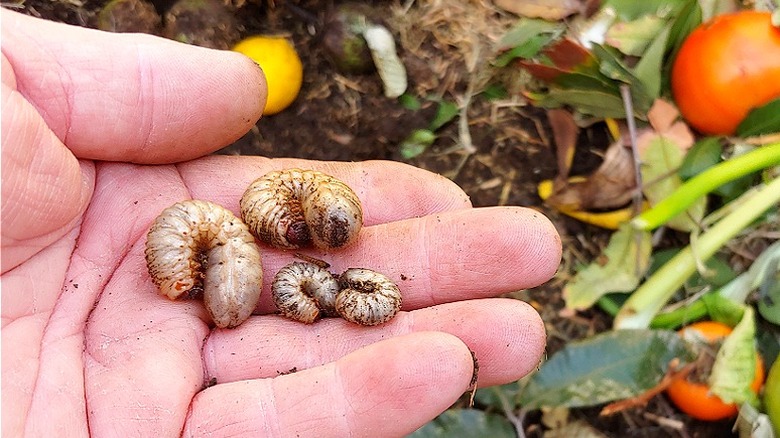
pixel 282 67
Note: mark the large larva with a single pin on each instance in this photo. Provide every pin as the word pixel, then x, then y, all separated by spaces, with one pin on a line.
pixel 295 208
pixel 367 297
pixel 304 292
pixel 198 246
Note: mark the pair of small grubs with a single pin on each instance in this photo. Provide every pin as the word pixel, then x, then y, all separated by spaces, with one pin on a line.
pixel 198 247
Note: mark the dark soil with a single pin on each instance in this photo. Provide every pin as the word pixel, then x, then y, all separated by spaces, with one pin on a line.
pixel 347 118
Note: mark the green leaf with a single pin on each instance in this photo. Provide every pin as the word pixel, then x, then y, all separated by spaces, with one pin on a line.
pixel 618 269
pixel 612 67
pixel 409 102
pixel 526 30
pixel 633 37
pixel 526 39
pixel 588 82
pixel 590 102
pixel 718 273
pixel 466 423
pixel 706 153
pixel 661 159
pixel 444 114
pixel 495 92
pixel 416 143
pixel 632 9
pixel 769 284
pixel 701 156
pixel 610 366
pixel 685 21
pixel 735 364
pixel 762 120
pixel 723 309
pixel 762 272
pixel 527 50
pixel 649 68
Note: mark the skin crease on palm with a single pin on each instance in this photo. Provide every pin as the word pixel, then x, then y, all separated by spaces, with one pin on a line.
pixel 101 132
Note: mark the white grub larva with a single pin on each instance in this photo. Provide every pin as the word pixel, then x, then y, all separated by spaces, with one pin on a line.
pixel 198 247
pixel 296 208
pixel 367 297
pixel 305 292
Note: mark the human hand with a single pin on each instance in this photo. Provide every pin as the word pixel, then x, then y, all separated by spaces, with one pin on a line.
pixel 89 345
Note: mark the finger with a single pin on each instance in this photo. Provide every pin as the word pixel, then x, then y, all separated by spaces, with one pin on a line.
pixel 142 352
pixel 506 335
pixel 443 252
pixel 388 190
pixel 45 188
pixel 132 97
pixel 418 377
pixel 448 256
pixel 444 257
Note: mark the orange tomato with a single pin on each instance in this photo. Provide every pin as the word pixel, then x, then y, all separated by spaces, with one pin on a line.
pixel 695 398
pixel 725 68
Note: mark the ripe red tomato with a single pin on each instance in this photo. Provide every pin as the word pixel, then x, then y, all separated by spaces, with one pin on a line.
pixel 725 68
pixel 695 398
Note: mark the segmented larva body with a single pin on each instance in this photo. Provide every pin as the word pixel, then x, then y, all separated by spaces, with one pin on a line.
pixel 305 292
pixel 367 297
pixel 198 246
pixel 295 208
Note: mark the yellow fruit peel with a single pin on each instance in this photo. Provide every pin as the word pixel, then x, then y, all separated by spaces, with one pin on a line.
pixel 610 220
pixel 281 65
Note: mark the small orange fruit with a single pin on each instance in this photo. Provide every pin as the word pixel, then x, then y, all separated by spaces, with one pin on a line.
pixel 695 399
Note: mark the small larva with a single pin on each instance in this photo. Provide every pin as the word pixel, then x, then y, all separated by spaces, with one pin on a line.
pixel 304 292
pixel 198 247
pixel 294 208
pixel 367 297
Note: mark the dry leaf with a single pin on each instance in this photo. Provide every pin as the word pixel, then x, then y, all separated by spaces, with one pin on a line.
pixel 565 132
pixel 547 9
pixel 610 186
pixel 664 120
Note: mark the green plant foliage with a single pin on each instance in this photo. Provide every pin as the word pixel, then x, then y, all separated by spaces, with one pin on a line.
pixel 618 269
pixel 648 68
pixel 735 364
pixel 704 154
pixel 661 159
pixel 466 423
pixel 526 39
pixel 762 120
pixel 416 143
pixel 633 37
pixel 445 113
pixel 629 10
pixel 606 367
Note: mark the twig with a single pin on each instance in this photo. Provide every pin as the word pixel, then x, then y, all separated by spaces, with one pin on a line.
pixel 642 399
pixel 625 93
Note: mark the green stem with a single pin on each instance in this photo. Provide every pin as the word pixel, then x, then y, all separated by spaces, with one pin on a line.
pixel 681 316
pixel 607 304
pixel 649 298
pixel 705 182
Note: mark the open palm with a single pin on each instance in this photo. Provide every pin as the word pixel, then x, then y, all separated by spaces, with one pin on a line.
pixel 90 347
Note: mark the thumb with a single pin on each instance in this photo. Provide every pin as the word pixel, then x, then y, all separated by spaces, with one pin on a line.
pixel 132 97
pixel 45 188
